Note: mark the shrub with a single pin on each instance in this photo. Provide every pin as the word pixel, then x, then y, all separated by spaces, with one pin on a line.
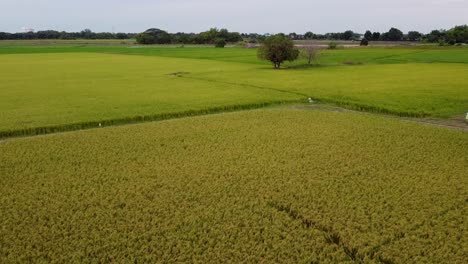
pixel 310 53
pixel 145 39
pixel 220 43
pixel 364 42
pixel 332 45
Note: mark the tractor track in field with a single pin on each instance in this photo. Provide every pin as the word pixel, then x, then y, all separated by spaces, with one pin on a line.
pixel 330 235
pixel 356 255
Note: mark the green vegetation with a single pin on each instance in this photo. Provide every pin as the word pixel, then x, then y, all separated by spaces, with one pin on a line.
pixel 154 36
pixel 220 43
pixel 364 42
pixel 82 90
pixel 293 184
pixel 457 34
pixel 404 89
pixel 332 45
pixel 277 185
pixel 278 49
pixel 50 89
pixel 372 55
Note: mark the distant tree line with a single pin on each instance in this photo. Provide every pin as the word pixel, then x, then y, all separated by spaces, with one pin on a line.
pixel 458 34
pixel 52 34
pixel 212 36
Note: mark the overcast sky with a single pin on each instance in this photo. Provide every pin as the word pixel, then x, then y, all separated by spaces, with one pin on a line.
pixel 260 16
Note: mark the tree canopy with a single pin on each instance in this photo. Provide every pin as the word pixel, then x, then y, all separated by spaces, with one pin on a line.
pixel 459 34
pixel 154 36
pixel 393 34
pixel 278 49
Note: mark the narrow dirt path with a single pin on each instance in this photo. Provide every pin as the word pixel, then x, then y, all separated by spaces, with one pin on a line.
pixel 457 122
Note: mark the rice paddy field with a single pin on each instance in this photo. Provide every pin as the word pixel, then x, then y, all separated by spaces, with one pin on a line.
pixel 195 154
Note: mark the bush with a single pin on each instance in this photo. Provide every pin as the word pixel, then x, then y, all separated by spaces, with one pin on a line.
pixel 332 45
pixel 220 43
pixel 451 42
pixel 364 42
pixel 310 53
pixel 145 39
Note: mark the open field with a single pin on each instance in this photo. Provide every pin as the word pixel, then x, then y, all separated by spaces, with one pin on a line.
pixel 290 183
pixel 68 88
pixel 369 55
pixel 59 89
pixel 407 89
pixel 258 186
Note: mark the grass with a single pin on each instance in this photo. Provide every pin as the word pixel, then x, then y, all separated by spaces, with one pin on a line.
pixel 402 89
pixel 58 91
pixel 283 184
pixel 50 90
pixel 368 55
pixel 277 185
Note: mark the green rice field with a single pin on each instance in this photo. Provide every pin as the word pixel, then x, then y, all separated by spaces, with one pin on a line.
pixel 52 88
pixel 118 154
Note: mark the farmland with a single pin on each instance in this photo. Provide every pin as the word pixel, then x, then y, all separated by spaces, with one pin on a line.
pixel 263 185
pixel 55 88
pixel 239 166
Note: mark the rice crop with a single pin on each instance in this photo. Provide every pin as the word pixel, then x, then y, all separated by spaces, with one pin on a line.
pixel 43 93
pixel 274 185
pixel 402 89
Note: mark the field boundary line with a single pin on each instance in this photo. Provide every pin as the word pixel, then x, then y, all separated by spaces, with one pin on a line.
pixel 324 106
pixel 44 130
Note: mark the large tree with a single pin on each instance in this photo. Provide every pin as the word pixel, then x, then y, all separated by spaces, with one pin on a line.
pixel 368 35
pixel 394 34
pixel 458 34
pixel 376 36
pixel 278 49
pixel 309 35
pixel 154 36
pixel 348 35
pixel 436 36
pixel 414 35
